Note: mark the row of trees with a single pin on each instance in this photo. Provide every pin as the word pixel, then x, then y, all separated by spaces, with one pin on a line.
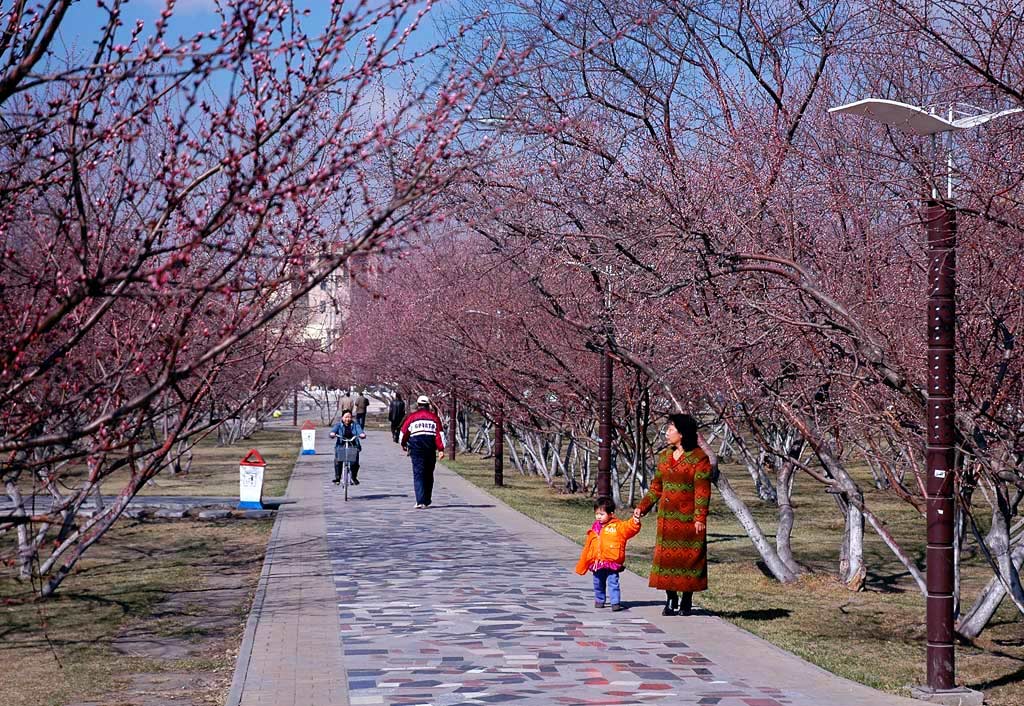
pixel 165 202
pixel 660 180
pixel 667 184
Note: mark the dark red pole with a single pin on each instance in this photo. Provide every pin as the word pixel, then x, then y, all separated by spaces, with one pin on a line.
pixel 604 452
pixel 940 224
pixel 295 408
pixel 451 427
pixel 499 448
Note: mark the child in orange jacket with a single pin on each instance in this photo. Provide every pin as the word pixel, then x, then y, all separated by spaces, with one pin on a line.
pixel 604 552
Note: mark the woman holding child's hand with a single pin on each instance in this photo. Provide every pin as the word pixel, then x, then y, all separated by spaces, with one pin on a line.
pixel 682 490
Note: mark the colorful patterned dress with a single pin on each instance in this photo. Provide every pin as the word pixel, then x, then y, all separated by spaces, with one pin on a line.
pixel 682 490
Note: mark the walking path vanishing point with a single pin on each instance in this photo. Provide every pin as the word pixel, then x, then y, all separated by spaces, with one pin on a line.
pixel 469 602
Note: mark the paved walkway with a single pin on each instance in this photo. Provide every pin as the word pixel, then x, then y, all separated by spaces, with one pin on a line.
pixel 468 602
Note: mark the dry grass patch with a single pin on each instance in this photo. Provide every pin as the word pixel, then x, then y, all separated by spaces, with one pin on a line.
pixel 153 598
pixel 156 610
pixel 214 469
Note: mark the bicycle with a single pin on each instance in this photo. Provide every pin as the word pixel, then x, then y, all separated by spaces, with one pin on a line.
pixel 346 452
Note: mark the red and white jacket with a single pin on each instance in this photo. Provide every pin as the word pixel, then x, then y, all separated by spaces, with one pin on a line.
pixel 421 431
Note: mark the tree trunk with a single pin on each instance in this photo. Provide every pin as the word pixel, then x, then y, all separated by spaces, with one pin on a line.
pixel 784 532
pixel 974 621
pixel 897 550
pixel 514 455
pixel 771 558
pixel 616 491
pixel 570 473
pixel 24 550
pixel 999 550
pixel 762 483
pixel 852 570
pixel 958 545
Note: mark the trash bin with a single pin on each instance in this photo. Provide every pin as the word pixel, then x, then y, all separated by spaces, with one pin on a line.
pixel 250 481
pixel 308 438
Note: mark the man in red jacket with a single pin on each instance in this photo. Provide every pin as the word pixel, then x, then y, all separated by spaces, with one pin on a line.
pixel 421 439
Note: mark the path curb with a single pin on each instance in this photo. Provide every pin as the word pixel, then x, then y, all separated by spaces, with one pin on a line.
pixel 248 637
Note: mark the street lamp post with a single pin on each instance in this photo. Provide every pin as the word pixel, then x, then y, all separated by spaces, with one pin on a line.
pixel 499 448
pixel 453 420
pixel 605 398
pixel 499 417
pixel 940 227
pixel 604 430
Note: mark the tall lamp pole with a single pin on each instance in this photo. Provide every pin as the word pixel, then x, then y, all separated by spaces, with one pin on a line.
pixel 499 416
pixel 940 227
pixel 499 447
pixel 452 409
pixel 604 429
pixel 605 397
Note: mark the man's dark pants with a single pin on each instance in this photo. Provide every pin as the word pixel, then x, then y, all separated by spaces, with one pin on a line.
pixel 361 418
pixel 396 428
pixel 423 463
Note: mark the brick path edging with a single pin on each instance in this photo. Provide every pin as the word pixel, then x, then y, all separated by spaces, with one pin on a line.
pixel 245 650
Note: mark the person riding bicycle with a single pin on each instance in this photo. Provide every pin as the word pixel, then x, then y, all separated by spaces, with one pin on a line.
pixel 348 433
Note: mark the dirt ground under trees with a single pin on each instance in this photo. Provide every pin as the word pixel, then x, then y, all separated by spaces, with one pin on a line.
pixel 154 613
pixel 154 617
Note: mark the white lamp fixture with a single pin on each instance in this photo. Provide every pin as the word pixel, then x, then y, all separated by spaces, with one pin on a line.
pixel 912 119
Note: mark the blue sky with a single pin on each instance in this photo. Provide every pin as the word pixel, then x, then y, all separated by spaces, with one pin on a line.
pixel 191 16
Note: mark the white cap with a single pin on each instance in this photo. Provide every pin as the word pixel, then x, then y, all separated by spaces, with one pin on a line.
pixel 422 399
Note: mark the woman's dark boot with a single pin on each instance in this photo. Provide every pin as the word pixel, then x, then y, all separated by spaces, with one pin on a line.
pixel 671 603
pixel 686 608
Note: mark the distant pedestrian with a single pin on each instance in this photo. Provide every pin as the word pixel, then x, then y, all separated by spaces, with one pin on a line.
pixel 350 431
pixel 396 415
pixel 604 553
pixel 359 406
pixel 421 439
pixel 345 403
pixel 682 490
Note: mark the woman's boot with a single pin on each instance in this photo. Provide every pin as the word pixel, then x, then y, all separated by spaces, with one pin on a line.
pixel 671 603
pixel 686 608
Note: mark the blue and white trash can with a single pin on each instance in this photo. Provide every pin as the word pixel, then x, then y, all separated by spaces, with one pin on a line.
pixel 308 438
pixel 250 481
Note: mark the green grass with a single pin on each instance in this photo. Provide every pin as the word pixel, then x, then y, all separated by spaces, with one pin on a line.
pixel 875 637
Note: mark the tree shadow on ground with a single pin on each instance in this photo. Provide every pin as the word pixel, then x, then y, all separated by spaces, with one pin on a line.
pixel 887 583
pixel 457 506
pixel 378 496
pixel 1010 678
pixel 757 614
pixel 642 604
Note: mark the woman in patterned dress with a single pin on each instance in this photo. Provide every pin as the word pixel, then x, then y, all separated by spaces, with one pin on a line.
pixel 682 489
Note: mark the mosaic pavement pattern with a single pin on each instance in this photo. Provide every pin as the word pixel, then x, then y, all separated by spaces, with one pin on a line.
pixel 445 607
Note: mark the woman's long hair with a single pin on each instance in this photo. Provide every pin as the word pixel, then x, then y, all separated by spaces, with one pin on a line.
pixel 687 427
